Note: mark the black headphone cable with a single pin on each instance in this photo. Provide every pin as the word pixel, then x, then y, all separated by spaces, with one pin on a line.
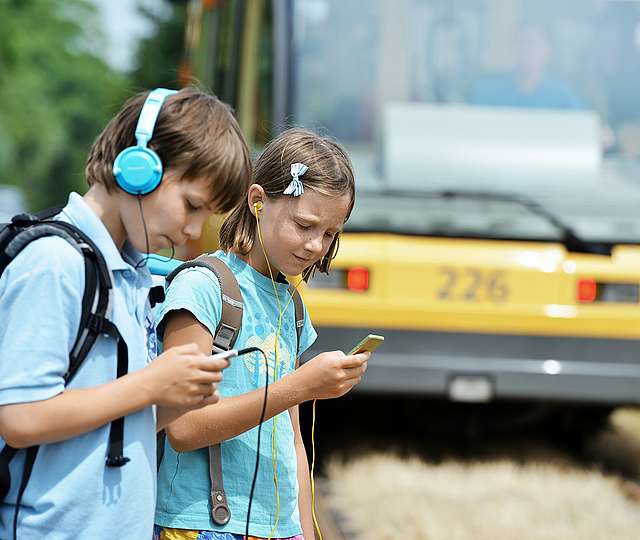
pixel 262 415
pixel 144 260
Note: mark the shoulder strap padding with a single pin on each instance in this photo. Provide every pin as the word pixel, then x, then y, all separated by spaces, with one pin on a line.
pixel 19 242
pixel 96 303
pixel 232 306
pixel 96 299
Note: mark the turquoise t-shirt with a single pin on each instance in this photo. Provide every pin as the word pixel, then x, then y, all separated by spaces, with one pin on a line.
pixel 183 480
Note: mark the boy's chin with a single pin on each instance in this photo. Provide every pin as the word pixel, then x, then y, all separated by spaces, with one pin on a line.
pixel 155 244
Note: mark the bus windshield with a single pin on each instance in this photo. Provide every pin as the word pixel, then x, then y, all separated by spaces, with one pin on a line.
pixel 530 97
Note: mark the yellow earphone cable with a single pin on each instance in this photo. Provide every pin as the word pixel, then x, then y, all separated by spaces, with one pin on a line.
pixel 274 450
pixel 313 466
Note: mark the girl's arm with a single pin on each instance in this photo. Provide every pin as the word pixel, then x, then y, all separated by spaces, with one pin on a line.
pixel 328 375
pixel 304 481
pixel 166 415
pixel 181 378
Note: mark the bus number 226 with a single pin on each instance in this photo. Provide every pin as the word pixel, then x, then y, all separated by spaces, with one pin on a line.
pixel 473 285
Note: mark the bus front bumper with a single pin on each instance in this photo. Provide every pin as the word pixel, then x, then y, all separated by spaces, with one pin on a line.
pixel 482 367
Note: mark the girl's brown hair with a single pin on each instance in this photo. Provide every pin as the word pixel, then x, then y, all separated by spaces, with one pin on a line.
pixel 329 172
pixel 195 134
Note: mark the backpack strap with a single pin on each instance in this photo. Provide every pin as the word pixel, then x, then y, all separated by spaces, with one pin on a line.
pixel 225 337
pixel 6 455
pixel 299 309
pixel 29 461
pixel 96 303
pixel 232 306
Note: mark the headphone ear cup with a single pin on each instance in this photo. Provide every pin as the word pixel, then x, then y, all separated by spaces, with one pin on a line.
pixel 137 170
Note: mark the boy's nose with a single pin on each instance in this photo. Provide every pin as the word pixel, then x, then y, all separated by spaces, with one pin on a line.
pixel 193 229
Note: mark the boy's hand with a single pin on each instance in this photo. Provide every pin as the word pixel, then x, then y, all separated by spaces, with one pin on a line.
pixel 332 374
pixel 184 378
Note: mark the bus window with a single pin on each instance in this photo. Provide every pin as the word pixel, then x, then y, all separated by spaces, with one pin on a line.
pixel 561 77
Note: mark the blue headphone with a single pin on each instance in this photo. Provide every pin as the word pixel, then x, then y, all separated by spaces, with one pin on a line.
pixel 138 169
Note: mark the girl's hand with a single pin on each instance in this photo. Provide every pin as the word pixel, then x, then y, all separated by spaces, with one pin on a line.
pixel 331 374
pixel 184 378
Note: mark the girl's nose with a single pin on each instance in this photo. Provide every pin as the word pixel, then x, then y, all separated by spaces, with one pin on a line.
pixel 314 245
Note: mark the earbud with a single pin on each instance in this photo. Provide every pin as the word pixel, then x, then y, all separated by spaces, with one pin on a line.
pixel 257 206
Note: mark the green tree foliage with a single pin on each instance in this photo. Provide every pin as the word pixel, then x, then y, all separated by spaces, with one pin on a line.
pixel 159 55
pixel 55 95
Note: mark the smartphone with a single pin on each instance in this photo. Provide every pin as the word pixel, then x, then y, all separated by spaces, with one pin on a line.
pixel 368 344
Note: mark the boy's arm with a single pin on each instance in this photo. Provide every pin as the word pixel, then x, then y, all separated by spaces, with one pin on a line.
pixel 304 480
pixel 231 416
pixel 166 415
pixel 327 375
pixel 72 412
pixel 181 378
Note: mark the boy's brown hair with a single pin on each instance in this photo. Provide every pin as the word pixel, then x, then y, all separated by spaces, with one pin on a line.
pixel 330 172
pixel 195 134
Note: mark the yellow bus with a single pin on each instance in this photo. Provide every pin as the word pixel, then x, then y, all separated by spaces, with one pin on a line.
pixel 496 143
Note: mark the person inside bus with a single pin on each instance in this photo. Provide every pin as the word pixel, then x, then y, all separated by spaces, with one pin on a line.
pixel 529 84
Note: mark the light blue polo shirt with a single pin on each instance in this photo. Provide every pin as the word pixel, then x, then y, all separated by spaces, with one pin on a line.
pixel 183 480
pixel 71 494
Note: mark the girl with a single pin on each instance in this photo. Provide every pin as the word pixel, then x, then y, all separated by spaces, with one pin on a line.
pixel 302 194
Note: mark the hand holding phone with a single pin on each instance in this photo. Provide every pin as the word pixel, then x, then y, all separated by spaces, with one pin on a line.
pixel 368 344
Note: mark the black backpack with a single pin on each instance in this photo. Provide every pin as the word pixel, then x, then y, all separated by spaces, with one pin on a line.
pixel 225 337
pixel 96 301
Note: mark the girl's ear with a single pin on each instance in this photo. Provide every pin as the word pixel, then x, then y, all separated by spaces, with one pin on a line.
pixel 255 198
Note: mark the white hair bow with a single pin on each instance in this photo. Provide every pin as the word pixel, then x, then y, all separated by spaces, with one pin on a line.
pixel 296 188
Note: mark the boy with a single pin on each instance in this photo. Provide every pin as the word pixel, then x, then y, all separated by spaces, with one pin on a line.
pixel 71 493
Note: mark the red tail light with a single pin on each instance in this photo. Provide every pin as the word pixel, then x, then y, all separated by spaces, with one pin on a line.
pixel 587 290
pixel 358 279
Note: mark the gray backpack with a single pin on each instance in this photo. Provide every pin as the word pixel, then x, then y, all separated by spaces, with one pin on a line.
pixel 225 337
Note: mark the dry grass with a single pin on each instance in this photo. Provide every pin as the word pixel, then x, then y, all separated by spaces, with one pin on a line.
pixel 387 498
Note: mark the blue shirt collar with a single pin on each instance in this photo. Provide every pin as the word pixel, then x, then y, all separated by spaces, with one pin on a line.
pixel 80 214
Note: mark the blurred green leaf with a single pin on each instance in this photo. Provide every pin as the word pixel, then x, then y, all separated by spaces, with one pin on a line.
pixel 55 95
pixel 159 55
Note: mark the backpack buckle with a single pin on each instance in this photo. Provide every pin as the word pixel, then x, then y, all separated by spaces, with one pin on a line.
pixel 96 324
pixel 223 338
pixel 156 295
pixel 117 461
pixel 220 512
pixel 24 220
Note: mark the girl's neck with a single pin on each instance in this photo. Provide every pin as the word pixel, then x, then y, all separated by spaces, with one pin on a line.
pixel 256 260
pixel 106 207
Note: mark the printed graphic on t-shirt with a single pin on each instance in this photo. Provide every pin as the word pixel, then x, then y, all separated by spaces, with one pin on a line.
pixel 152 340
pixel 256 364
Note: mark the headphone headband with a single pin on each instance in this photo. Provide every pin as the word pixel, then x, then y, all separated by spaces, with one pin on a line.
pixel 137 169
pixel 149 114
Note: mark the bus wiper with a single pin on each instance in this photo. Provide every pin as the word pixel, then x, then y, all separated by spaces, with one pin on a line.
pixel 569 239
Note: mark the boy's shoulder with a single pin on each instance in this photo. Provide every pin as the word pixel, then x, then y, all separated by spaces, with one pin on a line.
pixel 50 255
